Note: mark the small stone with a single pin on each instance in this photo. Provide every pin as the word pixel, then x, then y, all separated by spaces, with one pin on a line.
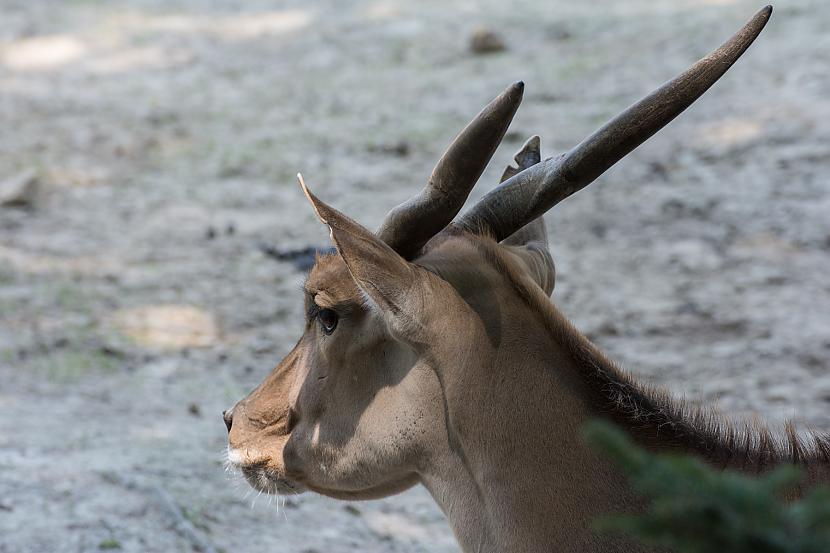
pixel 486 41
pixel 20 190
pixel 194 410
pixel 112 351
pixel 399 148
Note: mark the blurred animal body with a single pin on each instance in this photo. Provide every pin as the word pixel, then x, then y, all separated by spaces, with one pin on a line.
pixel 433 354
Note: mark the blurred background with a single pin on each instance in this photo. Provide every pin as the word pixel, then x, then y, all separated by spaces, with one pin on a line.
pixel 148 156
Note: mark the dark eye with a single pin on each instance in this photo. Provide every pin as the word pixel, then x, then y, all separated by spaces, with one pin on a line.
pixel 328 320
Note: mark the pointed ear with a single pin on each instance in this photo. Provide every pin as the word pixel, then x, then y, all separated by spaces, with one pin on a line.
pixel 383 275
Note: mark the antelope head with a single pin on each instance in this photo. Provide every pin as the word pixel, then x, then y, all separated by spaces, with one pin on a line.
pixel 413 332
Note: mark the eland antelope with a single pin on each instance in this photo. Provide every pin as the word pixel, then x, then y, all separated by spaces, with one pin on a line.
pixel 432 354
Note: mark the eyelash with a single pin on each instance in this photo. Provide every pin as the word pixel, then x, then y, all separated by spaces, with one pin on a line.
pixel 314 311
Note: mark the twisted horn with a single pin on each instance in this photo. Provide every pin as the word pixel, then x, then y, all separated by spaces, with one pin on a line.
pixel 411 225
pixel 532 192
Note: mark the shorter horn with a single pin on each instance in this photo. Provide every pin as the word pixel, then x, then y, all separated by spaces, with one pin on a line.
pixel 528 156
pixel 412 224
pixel 529 194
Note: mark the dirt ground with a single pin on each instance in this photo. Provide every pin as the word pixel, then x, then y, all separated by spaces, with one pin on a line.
pixel 136 305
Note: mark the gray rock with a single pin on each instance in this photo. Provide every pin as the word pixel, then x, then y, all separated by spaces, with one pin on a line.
pixel 19 190
pixel 486 41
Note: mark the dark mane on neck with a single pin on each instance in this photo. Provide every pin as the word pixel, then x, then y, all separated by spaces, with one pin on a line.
pixel 659 421
pixel 651 415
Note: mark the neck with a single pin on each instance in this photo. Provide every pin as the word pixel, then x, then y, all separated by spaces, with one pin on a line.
pixel 515 474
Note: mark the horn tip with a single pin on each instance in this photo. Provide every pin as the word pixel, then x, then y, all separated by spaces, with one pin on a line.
pixel 513 93
pixel 517 89
pixel 761 18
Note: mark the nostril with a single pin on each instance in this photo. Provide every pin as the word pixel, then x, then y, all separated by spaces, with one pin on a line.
pixel 228 418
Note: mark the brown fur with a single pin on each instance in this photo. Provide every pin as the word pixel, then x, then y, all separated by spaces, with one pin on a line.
pixel 651 414
pixel 458 372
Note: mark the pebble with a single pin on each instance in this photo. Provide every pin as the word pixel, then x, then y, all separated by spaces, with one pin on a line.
pixel 486 41
pixel 19 190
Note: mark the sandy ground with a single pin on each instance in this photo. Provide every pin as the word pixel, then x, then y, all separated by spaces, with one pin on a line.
pixel 135 304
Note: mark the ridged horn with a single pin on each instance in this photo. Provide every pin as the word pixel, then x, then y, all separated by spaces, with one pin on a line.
pixel 411 225
pixel 532 192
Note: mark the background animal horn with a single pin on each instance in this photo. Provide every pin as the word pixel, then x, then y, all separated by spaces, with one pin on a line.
pixel 532 192
pixel 411 225
pixel 529 155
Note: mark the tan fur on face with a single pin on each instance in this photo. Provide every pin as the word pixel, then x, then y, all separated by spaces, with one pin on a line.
pixel 329 284
pixel 331 385
pixel 260 430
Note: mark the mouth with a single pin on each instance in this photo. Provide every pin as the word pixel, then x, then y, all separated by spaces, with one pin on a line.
pixel 261 477
pixel 267 481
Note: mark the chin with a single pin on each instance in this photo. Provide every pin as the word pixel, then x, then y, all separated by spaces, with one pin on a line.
pixel 261 477
pixel 378 491
pixel 268 481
